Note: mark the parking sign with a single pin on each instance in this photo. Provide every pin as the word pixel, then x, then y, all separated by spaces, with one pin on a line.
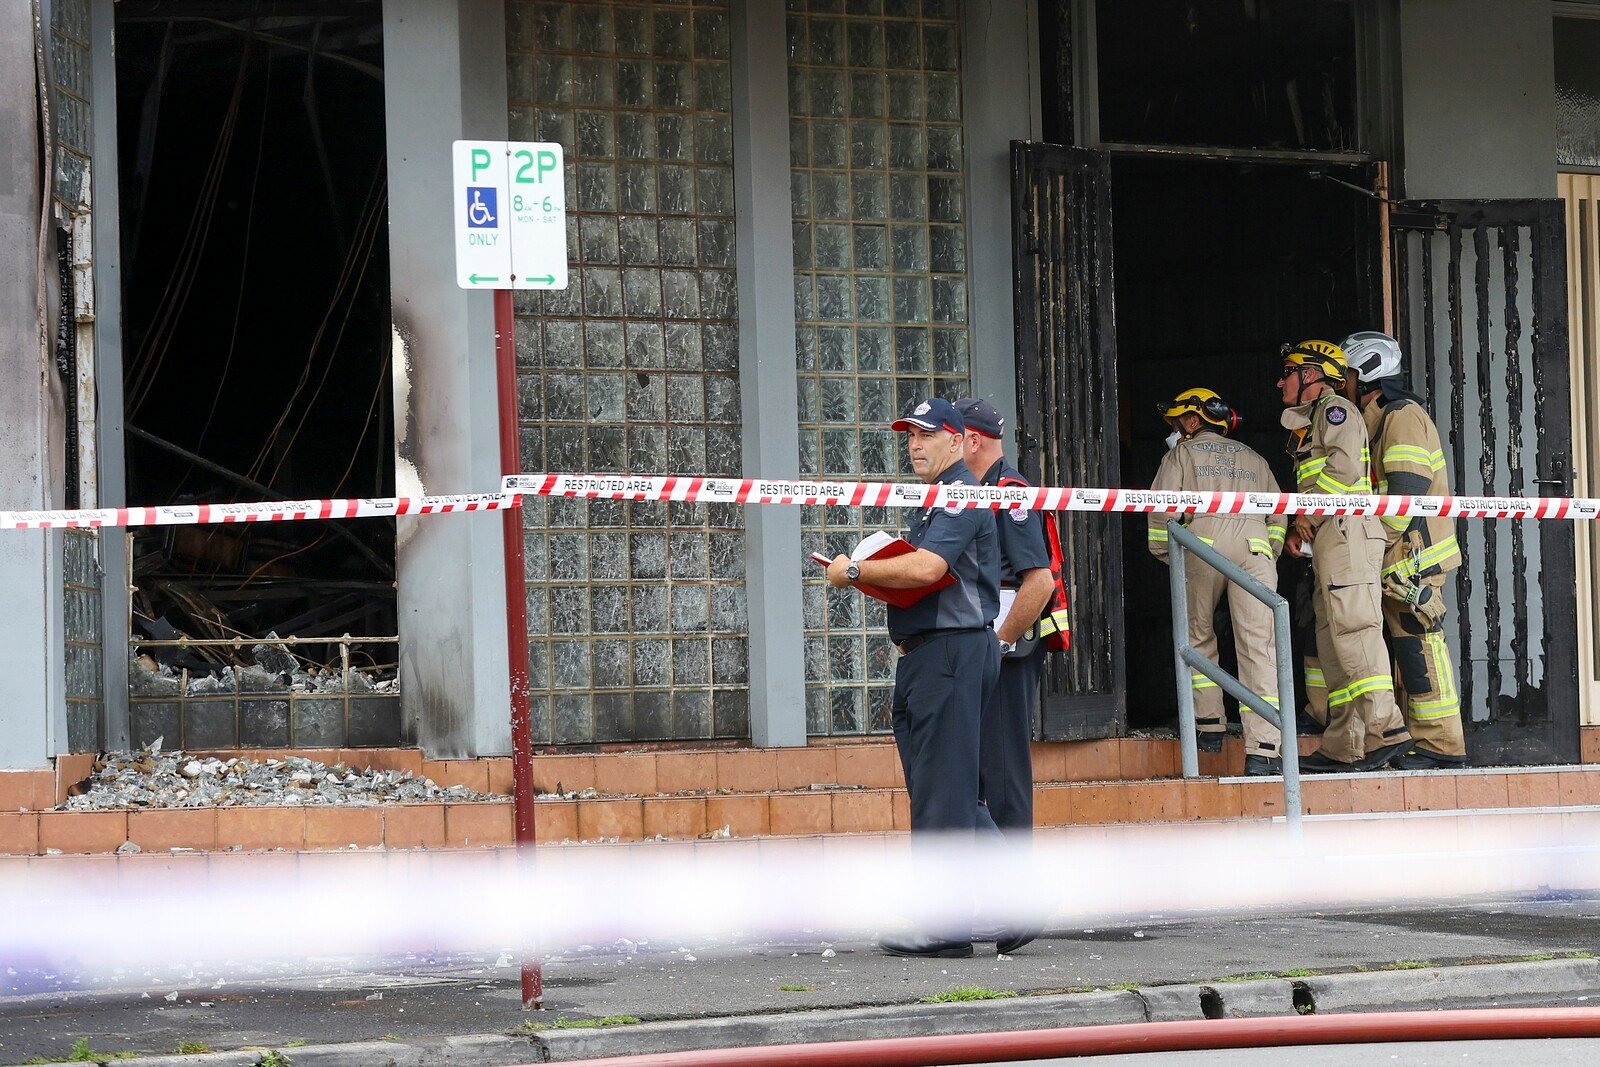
pixel 511 215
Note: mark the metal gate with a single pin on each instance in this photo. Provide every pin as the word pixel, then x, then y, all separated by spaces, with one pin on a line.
pixel 1480 306
pixel 1067 413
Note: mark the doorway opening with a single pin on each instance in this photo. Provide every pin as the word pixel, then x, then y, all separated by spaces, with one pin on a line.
pixel 256 345
pixel 1219 261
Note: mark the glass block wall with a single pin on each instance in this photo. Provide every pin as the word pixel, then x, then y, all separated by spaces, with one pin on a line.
pixel 636 611
pixel 69 55
pixel 880 291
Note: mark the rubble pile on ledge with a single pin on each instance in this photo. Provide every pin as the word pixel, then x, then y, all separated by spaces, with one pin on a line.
pixel 153 778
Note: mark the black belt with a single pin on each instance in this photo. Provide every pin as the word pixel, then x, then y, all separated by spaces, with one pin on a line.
pixel 916 641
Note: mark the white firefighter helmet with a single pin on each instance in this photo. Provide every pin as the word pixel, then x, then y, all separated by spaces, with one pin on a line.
pixel 1372 355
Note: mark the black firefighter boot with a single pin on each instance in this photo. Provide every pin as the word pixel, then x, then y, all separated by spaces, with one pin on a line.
pixel 1258 766
pixel 1420 759
pixel 1319 763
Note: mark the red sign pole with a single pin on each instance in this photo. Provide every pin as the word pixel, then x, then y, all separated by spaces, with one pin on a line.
pixel 505 352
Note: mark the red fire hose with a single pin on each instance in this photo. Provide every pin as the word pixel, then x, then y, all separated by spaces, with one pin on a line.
pixel 1188 1036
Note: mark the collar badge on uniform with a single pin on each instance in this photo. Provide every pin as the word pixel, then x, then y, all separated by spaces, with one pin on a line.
pixel 1335 414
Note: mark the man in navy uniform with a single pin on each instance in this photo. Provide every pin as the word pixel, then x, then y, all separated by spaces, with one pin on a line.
pixel 949 657
pixel 1005 762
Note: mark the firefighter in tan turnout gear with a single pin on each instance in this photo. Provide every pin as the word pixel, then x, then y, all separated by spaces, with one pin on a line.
pixel 1328 445
pixel 1408 460
pixel 1204 459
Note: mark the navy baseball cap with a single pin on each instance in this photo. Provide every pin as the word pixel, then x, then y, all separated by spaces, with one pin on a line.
pixel 935 413
pixel 981 417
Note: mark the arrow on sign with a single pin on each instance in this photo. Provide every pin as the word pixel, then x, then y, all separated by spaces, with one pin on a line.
pixel 548 279
pixel 476 278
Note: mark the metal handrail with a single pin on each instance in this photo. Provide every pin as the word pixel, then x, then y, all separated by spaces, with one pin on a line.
pixel 1181 540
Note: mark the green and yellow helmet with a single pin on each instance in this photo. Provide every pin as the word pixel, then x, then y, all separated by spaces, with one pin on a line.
pixel 1205 403
pixel 1326 355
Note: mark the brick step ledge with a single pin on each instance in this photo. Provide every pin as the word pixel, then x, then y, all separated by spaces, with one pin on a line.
pixel 868 763
pixel 776 813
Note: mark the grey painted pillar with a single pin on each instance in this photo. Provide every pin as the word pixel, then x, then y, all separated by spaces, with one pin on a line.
pixel 445 79
pixel 113 477
pixel 32 685
pixel 767 379
pixel 1000 101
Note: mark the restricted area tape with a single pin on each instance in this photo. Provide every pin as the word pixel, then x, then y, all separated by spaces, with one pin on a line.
pixel 269 511
pixel 1038 498
pixel 828 493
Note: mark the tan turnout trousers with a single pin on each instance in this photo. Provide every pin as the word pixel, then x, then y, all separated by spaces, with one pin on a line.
pixel 1406 448
pixel 1361 712
pixel 1425 677
pixel 1252 640
pixel 1331 453
pixel 1210 461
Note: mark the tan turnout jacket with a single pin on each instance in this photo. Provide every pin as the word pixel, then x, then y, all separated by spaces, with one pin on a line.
pixel 1210 462
pixel 1405 439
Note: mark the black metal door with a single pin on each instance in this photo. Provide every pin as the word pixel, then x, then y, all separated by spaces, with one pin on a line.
pixel 1067 413
pixel 1481 307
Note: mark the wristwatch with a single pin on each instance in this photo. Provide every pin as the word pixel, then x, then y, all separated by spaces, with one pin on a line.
pixel 853 572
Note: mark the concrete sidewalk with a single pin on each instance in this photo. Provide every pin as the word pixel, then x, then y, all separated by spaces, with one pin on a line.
pixel 1159 967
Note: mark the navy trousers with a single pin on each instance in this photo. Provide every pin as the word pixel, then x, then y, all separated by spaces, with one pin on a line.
pixel 940 690
pixel 1005 762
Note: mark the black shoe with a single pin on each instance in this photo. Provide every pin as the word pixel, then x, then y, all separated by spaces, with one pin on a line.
pixel 1306 726
pixel 1261 766
pixel 1318 763
pixel 1420 759
pixel 1210 742
pixel 1011 940
pixel 924 947
pixel 1380 758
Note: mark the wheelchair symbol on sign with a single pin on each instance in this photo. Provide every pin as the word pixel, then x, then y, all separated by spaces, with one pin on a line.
pixel 481 207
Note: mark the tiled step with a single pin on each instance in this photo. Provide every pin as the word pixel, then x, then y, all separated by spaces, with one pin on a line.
pixel 781 813
pixel 386 826
pixel 850 787
pixel 1069 803
pixel 870 763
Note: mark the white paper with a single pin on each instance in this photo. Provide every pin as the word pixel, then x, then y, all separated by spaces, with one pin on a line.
pixel 872 544
pixel 1007 598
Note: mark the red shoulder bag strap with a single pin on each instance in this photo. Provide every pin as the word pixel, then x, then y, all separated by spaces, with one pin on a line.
pixel 1054 625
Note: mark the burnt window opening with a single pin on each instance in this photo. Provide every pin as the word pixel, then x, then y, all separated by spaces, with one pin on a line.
pixel 1270 74
pixel 256 325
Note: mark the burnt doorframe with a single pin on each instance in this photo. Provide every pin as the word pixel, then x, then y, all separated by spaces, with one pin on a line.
pixel 1511 733
pixel 1066 355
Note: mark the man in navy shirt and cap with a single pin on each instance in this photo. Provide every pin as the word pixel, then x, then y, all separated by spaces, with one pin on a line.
pixel 950 659
pixel 1006 763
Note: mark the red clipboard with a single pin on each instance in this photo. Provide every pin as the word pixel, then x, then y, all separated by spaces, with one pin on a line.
pixel 900 598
